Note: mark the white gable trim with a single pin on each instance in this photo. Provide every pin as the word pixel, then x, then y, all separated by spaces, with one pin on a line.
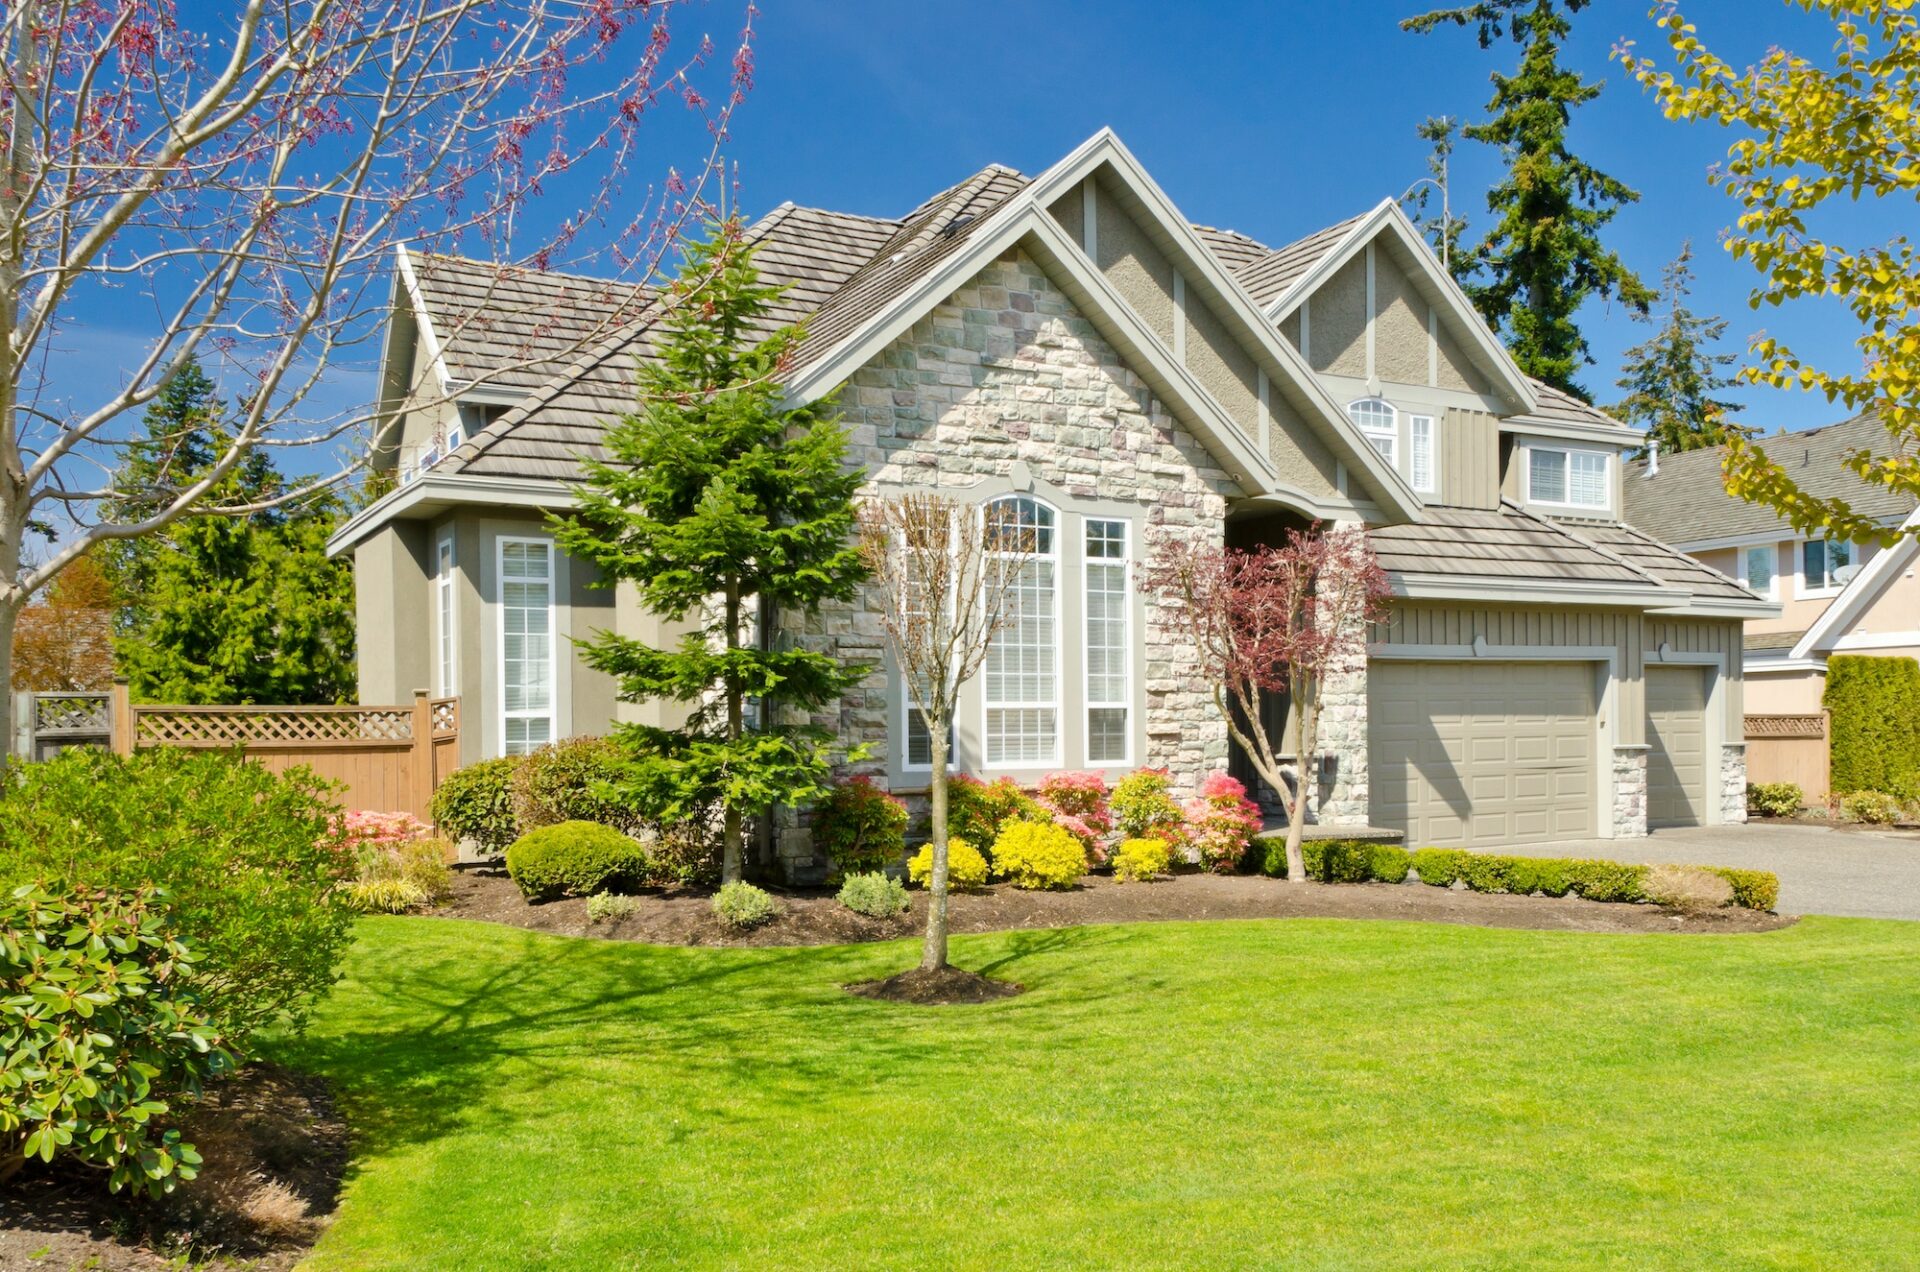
pixel 1387 217
pixel 403 266
pixel 433 492
pixel 1860 595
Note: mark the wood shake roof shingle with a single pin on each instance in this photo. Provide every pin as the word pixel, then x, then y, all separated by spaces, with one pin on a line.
pixel 1504 544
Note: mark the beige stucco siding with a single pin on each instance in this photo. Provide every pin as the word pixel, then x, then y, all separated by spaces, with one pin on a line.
pixel 1225 369
pixel 391 619
pixel 1400 344
pixel 1070 210
pixel 1303 460
pixel 1337 326
pixel 1788 693
pixel 1452 368
pixel 1897 610
pixel 1469 460
pixel 1138 269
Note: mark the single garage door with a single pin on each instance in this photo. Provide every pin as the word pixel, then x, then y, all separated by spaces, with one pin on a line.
pixel 1676 746
pixel 1476 754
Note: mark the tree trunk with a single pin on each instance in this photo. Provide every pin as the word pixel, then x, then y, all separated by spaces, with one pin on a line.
pixel 10 607
pixel 736 725
pixel 11 1163
pixel 1304 767
pixel 934 956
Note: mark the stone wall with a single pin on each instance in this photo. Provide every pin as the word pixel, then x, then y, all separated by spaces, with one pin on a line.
pixel 1630 792
pixel 1007 385
pixel 1733 783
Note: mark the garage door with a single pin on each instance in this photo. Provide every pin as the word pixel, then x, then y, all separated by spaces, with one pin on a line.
pixel 1476 754
pixel 1676 746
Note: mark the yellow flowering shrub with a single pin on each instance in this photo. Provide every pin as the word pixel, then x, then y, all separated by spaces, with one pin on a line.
pixel 1139 860
pixel 1039 855
pixel 966 868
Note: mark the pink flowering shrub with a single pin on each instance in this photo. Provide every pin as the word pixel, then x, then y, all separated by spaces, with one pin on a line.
pixel 1078 802
pixel 363 827
pixel 1221 822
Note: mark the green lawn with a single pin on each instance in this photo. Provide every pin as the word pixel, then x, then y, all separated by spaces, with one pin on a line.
pixel 1271 1094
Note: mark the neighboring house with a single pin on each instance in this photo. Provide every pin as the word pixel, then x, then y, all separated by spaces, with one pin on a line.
pixel 1071 343
pixel 1834 597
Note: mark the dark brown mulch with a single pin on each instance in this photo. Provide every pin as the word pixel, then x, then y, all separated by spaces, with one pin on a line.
pixel 685 917
pixel 275 1151
pixel 945 987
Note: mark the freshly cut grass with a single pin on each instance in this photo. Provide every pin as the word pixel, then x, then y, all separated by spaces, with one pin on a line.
pixel 1305 1093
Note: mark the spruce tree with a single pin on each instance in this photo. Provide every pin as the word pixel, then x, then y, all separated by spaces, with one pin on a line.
pixel 727 511
pixel 1543 257
pixel 1672 378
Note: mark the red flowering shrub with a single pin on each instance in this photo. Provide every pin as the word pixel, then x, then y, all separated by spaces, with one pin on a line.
pixel 1078 802
pixel 1221 822
pixel 978 811
pixel 861 827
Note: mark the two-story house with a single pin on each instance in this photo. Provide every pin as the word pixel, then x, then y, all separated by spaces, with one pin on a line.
pixel 1071 346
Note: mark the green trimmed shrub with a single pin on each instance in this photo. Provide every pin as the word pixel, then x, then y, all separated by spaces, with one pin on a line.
pixel 978 811
pixel 1439 867
pixel 1139 860
pixel 1872 807
pixel 102 1033
pixel 861 827
pixel 966 868
pixel 1034 855
pixel 879 895
pixel 1391 863
pixel 568 781
pixel 476 802
pixel 1875 705
pixel 576 859
pixel 1754 889
pixel 252 863
pixel 1606 880
pixel 741 906
pixel 1774 799
pixel 1338 860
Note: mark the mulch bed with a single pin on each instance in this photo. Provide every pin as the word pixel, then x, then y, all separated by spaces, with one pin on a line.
pixel 813 917
pixel 948 986
pixel 275 1151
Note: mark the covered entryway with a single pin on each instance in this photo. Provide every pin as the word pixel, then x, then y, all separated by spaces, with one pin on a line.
pixel 1676 746
pixel 1477 753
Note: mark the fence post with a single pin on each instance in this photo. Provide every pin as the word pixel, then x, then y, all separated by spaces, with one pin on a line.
pixel 422 754
pixel 121 717
pixel 23 747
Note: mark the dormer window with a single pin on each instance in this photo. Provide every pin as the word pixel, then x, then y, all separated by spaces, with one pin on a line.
pixel 1377 419
pixel 1567 478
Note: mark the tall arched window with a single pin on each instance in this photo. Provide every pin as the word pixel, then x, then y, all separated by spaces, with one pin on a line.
pixel 1022 671
pixel 1378 420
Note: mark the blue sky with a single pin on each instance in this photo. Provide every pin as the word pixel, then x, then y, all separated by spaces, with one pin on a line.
pixel 1273 119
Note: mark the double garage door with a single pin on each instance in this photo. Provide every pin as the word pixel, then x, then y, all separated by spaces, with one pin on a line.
pixel 1480 754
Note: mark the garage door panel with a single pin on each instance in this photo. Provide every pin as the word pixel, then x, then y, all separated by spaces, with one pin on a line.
pixel 1676 746
pixel 1482 753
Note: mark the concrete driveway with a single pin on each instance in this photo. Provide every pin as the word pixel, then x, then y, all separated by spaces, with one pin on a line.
pixel 1866 874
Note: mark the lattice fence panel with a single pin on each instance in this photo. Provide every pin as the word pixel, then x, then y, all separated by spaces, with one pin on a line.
pixel 72 713
pixel 445 716
pixel 1786 726
pixel 268 726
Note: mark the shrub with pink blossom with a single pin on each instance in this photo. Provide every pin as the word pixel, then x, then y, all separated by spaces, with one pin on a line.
pixel 362 827
pixel 1078 802
pixel 1221 822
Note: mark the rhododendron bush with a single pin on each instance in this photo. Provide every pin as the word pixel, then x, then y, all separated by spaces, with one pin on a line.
pixel 1221 822
pixel 1078 802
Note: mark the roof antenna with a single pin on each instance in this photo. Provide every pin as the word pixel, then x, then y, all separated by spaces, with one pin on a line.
pixel 1653 457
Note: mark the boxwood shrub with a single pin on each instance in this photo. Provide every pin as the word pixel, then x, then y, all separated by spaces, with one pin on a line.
pixel 1337 860
pixel 1594 880
pixel 576 859
pixel 476 802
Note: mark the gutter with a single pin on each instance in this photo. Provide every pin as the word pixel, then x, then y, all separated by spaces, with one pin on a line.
pixel 434 490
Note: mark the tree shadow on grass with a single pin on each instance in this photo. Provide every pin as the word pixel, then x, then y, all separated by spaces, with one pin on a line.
pixel 443 1029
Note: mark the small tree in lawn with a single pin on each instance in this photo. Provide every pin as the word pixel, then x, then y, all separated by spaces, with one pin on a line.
pixel 945 572
pixel 1274 620
pixel 720 504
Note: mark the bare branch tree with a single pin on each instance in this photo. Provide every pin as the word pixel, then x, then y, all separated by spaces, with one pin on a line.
pixel 947 576
pixel 238 194
pixel 1274 620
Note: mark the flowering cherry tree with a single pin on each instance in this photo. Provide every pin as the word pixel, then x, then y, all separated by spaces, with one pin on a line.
pixel 233 194
pixel 1274 620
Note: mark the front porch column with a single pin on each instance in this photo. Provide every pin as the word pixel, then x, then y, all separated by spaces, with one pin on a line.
pixel 1630 791
pixel 1733 783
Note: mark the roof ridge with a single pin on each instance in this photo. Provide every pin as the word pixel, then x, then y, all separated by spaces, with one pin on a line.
pixel 534 270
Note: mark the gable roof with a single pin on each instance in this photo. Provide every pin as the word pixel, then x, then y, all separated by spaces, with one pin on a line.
pixel 1270 277
pixel 1687 502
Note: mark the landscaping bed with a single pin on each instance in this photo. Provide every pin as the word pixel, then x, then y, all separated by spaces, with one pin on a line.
pixel 809 917
pixel 275 1151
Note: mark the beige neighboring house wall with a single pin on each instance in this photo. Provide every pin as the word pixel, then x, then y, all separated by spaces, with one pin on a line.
pixel 392 628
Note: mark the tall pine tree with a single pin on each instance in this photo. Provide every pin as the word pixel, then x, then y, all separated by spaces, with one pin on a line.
pixel 1543 257
pixel 225 609
pixel 728 512
pixel 1671 379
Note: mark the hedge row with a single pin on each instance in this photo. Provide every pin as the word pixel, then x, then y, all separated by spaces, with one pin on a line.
pixel 1336 860
pixel 1556 877
pixel 1876 731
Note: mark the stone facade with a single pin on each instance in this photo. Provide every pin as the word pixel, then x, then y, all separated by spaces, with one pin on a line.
pixel 1630 792
pixel 1007 386
pixel 1343 737
pixel 1733 783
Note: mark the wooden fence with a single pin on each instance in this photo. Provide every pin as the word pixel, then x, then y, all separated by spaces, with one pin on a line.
pixel 1790 748
pixel 388 758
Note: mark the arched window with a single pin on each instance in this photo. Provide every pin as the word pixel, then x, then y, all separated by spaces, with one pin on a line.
pixel 1378 420
pixel 1022 671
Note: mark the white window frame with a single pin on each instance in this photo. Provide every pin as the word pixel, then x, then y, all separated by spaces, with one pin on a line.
pixel 1432 485
pixel 1088 704
pixel 1743 572
pixel 552 713
pixel 907 764
pixel 1388 433
pixel 987 706
pixel 446 610
pixel 1566 454
pixel 1805 587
